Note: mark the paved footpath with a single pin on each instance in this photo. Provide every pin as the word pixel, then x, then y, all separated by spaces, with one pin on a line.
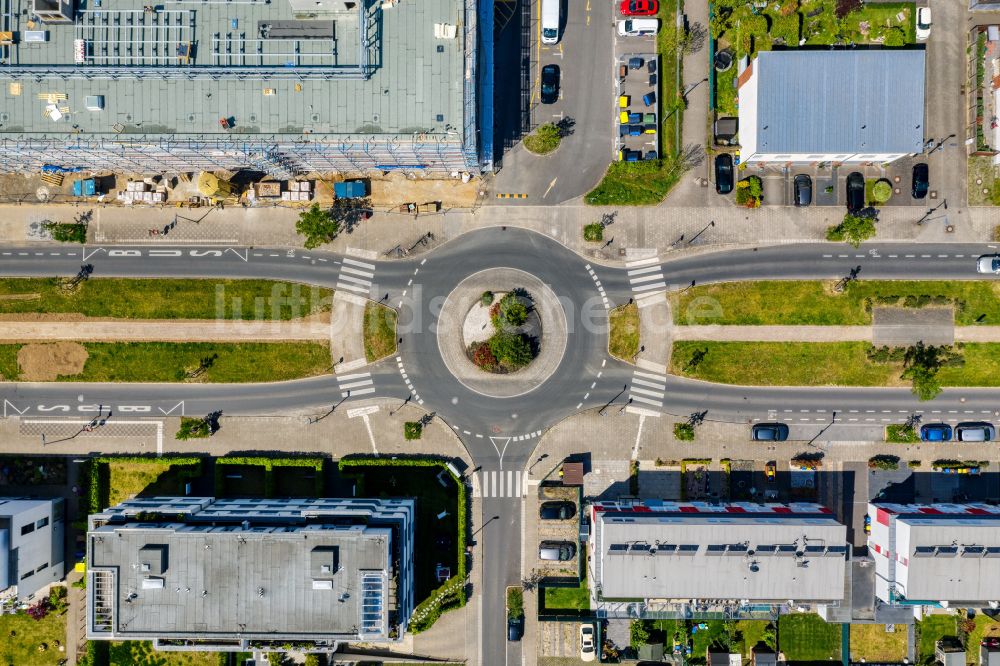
pixel 635 232
pixel 812 333
pixel 185 331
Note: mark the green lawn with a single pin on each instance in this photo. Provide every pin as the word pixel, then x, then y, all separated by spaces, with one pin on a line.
pixel 806 637
pixel 873 643
pixel 670 104
pixel 985 626
pixel 702 639
pixel 752 632
pixel 176 361
pixel 131 479
pixel 21 636
pixel 164 299
pixel 141 653
pixel 9 369
pixel 818 364
pixel 380 331
pixel 931 629
pixel 568 598
pixel 815 303
pixel 623 336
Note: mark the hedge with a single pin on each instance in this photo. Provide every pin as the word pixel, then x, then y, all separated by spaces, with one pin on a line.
pixel 452 593
pixel 269 464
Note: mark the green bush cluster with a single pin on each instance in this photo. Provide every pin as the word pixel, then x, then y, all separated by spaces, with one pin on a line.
pixel 193 428
pixel 684 432
pixel 486 299
pixel 269 464
pixel 854 230
pixel 515 602
pixel 98 478
pixel 65 232
pixel 543 140
pixel 786 28
pixel 412 430
pixel 507 349
pixel 750 192
pixel 593 232
pixel 901 433
pixel 884 462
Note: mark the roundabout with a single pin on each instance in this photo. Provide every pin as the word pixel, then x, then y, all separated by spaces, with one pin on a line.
pixel 464 327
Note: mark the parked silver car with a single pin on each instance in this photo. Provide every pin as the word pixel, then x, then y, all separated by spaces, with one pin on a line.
pixel 976 432
pixel 989 263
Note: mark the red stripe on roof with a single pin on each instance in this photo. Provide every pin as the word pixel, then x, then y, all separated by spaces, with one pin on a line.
pixel 882 516
pixel 735 509
pixel 690 509
pixel 930 509
pixel 782 509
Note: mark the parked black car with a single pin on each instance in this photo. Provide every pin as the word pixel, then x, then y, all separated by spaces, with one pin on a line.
pixel 515 628
pixel 803 190
pixel 556 510
pixel 855 192
pixel 724 173
pixel 550 84
pixel 769 432
pixel 920 181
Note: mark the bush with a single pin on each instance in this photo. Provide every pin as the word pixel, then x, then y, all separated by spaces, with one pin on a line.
pixel 894 36
pixel 317 225
pixel 513 311
pixel 855 230
pixel 594 232
pixel 543 140
pixel 750 192
pixel 482 356
pixel 638 633
pixel 511 350
pixel 412 429
pixel 192 428
pixel 913 464
pixel 683 432
pixel 882 190
pixel 884 462
pixel 487 299
pixel 66 232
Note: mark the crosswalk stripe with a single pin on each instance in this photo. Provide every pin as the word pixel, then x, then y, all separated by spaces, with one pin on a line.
pixel 351 278
pixel 646 278
pixel 642 262
pixel 365 382
pixel 358 375
pixel 642 391
pixel 639 398
pixel 353 287
pixel 647 287
pixel 646 382
pixel 501 483
pixel 648 375
pixel 362 264
pixel 355 271
pixel 356 392
pixel 641 271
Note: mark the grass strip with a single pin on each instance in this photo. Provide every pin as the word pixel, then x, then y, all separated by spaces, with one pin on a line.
pixel 380 331
pixel 819 364
pixel 9 370
pixel 164 298
pixel 177 361
pixel 813 302
pixel 623 337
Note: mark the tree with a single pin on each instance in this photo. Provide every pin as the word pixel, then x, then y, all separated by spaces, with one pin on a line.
pixel 511 349
pixel 921 364
pixel 638 633
pixel 317 225
pixel 845 7
pixel 513 310
pixel 894 36
pixel 854 229
pixel 193 429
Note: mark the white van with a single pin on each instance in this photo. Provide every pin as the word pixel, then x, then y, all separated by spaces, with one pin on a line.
pixel 638 27
pixel 550 21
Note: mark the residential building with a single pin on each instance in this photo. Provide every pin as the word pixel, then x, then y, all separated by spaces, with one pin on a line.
pixel 936 554
pixel 763 656
pixel 736 559
pixel 722 658
pixel 853 106
pixel 989 651
pixel 286 87
pixel 32 545
pixel 237 574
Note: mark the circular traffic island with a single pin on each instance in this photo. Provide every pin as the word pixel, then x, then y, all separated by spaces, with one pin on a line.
pixel 502 332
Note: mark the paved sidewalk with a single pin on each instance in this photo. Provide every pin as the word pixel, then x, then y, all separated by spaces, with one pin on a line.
pixel 634 232
pixel 810 333
pixel 184 331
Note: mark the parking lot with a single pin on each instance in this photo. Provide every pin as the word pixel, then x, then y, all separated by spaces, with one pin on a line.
pixel 553 530
pixel 638 130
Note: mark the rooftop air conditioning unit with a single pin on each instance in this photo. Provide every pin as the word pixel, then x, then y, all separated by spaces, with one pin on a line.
pixel 36 36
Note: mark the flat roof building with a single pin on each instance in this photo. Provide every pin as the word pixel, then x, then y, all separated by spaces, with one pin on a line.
pixel 738 555
pixel 32 544
pixel 832 106
pixel 235 574
pixel 936 554
pixel 285 87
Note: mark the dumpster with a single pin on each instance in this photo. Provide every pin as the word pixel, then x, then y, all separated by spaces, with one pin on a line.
pixel 84 188
pixel 349 189
pixel 649 98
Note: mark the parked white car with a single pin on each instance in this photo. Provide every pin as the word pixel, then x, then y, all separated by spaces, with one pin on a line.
pixel 923 23
pixel 641 27
pixel 587 650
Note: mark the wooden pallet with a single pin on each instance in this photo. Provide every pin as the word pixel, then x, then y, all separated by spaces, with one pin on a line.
pixel 53 179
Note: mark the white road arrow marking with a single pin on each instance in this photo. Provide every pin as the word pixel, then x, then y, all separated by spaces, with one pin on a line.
pixel 245 256
pixel 95 251
pixel 8 403
pixel 500 452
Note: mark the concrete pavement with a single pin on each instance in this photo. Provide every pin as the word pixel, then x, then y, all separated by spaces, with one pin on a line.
pixel 812 333
pixel 182 331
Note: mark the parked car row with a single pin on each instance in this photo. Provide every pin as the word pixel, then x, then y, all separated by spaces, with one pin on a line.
pixel 964 432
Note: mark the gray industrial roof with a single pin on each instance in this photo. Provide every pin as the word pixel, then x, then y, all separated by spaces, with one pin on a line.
pixel 835 102
pixel 412 84
pixel 951 558
pixel 721 557
pixel 228 582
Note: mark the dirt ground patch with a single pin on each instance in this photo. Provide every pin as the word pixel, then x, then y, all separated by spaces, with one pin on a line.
pixel 396 189
pixel 46 362
pixel 19 297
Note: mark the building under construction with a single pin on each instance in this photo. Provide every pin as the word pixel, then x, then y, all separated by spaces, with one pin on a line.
pixel 285 87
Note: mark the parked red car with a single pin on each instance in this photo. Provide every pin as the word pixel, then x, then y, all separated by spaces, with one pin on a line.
pixel 640 7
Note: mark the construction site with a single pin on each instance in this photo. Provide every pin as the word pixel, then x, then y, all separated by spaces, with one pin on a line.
pixel 283 89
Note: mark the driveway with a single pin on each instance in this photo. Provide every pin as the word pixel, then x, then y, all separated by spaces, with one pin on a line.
pixel 586 103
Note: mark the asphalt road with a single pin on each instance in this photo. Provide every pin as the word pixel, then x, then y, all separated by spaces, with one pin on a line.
pixel 499 433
